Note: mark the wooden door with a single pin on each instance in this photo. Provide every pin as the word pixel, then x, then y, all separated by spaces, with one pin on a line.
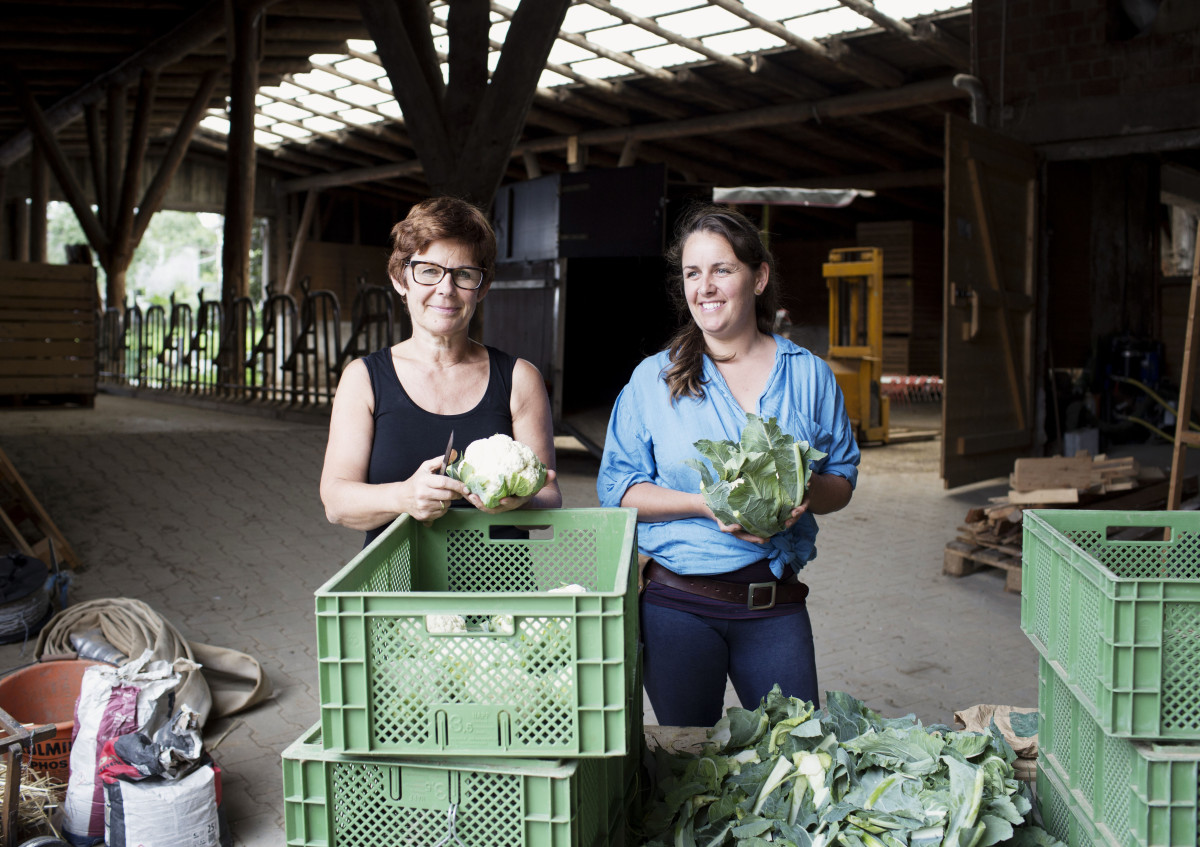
pixel 988 332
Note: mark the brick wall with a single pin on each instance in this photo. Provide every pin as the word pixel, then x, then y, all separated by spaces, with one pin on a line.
pixel 1035 52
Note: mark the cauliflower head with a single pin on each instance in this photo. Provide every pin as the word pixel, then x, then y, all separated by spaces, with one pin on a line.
pixel 497 467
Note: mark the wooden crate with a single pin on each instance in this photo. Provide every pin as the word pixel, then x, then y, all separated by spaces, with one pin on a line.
pixel 912 294
pixel 47 333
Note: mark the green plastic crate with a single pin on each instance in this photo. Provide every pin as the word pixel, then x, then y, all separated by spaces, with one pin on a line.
pixel 1061 816
pixel 1130 792
pixel 556 681
pixel 1120 620
pixel 340 800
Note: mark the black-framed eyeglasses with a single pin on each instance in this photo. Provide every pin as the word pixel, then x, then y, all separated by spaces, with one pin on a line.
pixel 431 273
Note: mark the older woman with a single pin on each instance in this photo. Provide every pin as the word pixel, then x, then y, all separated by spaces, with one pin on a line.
pixel 719 601
pixel 395 409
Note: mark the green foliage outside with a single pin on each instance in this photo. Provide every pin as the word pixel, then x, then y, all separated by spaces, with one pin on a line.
pixel 179 255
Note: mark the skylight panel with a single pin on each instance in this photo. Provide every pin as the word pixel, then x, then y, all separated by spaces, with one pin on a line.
pixel 261 120
pixel 285 111
pixel 320 103
pixel 320 80
pixel 600 68
pixel 782 10
pixel 667 55
pixel 292 132
pixel 361 95
pixel 359 117
pixel 654 8
pixel 391 108
pixel 320 123
pixel 284 90
pixel 625 38
pixel 549 79
pixel 746 41
pixel 564 53
pixel 441 44
pixel 701 22
pixel 326 58
pixel 266 139
pixel 915 8
pixel 583 18
pixel 832 22
pixel 499 30
pixel 360 45
pixel 493 60
pixel 215 123
pixel 360 69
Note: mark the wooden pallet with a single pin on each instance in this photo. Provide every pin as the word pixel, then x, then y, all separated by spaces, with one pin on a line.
pixel 26 524
pixel 962 558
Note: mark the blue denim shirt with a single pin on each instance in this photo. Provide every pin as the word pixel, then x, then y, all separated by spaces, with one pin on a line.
pixel 649 438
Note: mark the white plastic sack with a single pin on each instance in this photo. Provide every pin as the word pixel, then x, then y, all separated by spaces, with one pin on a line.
pixel 112 702
pixel 157 812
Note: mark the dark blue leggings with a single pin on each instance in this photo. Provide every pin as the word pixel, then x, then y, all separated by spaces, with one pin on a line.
pixel 687 658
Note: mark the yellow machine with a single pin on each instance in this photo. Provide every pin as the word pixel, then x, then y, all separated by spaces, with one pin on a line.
pixel 855 279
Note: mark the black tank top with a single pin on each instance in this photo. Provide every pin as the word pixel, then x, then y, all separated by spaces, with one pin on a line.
pixel 406 435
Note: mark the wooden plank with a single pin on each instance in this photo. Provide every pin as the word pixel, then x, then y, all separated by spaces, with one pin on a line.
pixel 44 271
pixel 34 286
pixel 1051 472
pixel 77 302
pixel 47 367
pixel 16 350
pixel 48 329
pixel 47 385
pixel 1044 496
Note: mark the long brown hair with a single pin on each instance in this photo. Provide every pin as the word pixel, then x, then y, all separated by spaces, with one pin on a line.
pixel 685 375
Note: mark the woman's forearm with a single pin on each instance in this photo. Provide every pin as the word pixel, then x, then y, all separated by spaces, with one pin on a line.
pixel 828 493
pixel 655 503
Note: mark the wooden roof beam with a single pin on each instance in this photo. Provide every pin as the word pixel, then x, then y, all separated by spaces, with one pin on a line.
pixel 841 55
pixel 929 35
pixel 843 106
pixel 196 31
pixel 846 105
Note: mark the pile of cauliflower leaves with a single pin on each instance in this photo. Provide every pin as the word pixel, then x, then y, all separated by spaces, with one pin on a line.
pixel 788 773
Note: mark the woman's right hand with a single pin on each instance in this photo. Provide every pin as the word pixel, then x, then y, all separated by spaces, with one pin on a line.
pixel 431 492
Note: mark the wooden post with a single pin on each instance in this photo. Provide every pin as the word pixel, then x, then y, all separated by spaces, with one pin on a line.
pixel 1184 437
pixel 247 28
pixel 39 195
pixel 310 207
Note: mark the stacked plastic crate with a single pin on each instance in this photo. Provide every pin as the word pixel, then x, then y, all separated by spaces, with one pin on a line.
pixel 1111 600
pixel 463 703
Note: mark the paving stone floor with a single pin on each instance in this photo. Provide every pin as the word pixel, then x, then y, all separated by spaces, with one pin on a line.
pixel 213 519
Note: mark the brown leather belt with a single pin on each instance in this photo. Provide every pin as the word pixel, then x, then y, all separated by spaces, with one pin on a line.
pixel 755 596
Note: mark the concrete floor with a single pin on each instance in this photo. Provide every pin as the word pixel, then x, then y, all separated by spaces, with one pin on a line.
pixel 214 519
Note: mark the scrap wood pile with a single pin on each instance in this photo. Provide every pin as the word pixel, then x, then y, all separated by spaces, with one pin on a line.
pixel 990 536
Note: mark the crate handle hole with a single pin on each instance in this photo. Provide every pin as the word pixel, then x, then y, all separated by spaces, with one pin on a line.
pixel 521 532
pixel 1138 533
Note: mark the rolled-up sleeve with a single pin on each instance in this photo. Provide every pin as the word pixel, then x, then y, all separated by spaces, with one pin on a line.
pixel 843 452
pixel 628 456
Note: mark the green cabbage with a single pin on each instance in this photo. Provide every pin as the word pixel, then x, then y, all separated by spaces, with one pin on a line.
pixel 759 480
